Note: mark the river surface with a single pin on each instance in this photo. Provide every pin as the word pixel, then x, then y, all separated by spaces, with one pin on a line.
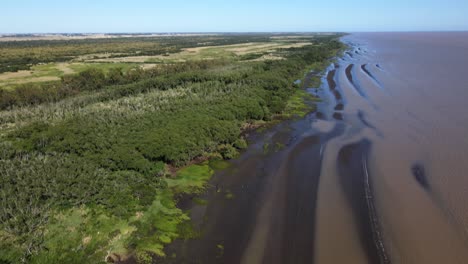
pixel 379 174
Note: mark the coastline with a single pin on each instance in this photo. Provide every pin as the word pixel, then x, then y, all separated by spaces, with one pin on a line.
pixel 274 139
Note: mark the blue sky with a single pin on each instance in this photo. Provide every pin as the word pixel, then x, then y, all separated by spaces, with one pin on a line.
pixel 53 16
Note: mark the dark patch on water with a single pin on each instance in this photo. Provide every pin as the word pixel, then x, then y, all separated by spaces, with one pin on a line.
pixel 363 67
pixel 295 242
pixel 355 183
pixel 420 176
pixel 362 118
pixel 320 115
pixel 348 70
pixel 338 116
pixel 339 107
pixel 370 75
pixel 333 86
pixel 364 121
pixel 330 79
pixel 337 95
pixel 356 87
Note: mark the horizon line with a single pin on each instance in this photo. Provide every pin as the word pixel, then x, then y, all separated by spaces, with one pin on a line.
pixel 221 32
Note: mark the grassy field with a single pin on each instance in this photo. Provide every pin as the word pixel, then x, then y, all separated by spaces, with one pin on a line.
pixel 228 52
pixel 94 163
pixel 76 63
pixel 54 71
pixel 23 55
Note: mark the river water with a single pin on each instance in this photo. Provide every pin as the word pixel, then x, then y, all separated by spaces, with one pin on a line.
pixel 378 175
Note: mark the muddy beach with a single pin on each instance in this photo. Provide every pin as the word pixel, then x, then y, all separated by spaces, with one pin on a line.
pixel 376 175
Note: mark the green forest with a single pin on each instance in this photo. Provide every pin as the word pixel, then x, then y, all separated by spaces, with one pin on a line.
pixel 92 166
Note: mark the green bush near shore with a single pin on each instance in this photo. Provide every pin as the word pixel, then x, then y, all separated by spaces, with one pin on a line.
pixel 84 175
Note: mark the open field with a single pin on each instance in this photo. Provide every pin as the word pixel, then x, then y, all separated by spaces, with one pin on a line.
pixel 211 52
pixel 75 64
pixel 29 37
pixel 95 162
pixel 54 71
pixel 22 55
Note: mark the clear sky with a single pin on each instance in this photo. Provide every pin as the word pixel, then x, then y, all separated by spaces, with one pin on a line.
pixel 56 16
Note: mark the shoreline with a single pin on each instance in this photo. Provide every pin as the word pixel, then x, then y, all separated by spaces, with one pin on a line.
pixel 282 141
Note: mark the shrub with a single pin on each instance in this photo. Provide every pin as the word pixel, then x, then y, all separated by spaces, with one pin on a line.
pixel 228 151
pixel 240 143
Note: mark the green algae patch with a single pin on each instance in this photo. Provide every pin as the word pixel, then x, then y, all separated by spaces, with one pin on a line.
pixel 266 148
pixel 191 179
pixel 187 230
pixel 218 164
pixel 159 225
pixel 200 201
pixel 279 146
pixel 229 195
pixel 297 104
pixel 220 248
pixel 84 235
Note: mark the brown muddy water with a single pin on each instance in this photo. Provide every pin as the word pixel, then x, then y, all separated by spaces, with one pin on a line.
pixel 378 175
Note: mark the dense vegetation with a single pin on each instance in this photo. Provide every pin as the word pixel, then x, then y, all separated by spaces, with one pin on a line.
pixel 94 79
pixel 85 163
